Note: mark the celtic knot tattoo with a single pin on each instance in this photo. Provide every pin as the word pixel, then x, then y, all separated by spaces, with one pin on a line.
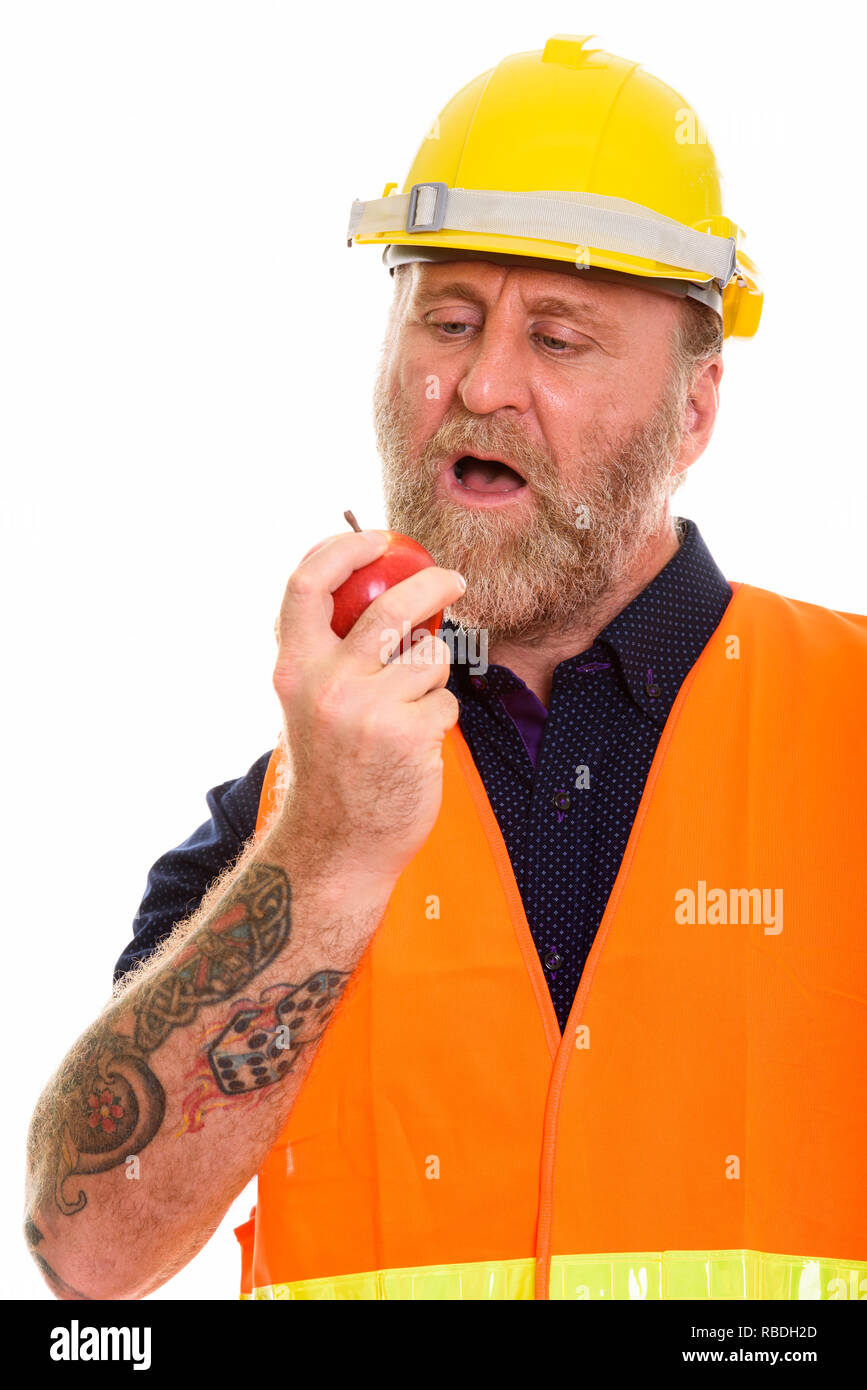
pixel 221 961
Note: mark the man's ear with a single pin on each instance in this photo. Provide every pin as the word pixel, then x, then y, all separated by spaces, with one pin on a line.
pixel 702 405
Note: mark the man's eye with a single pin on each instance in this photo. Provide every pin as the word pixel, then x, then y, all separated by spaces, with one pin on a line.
pixel 552 342
pixel 452 328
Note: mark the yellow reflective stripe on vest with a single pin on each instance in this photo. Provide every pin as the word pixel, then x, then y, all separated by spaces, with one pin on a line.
pixel 671 1274
pixel 705 1274
pixel 499 1279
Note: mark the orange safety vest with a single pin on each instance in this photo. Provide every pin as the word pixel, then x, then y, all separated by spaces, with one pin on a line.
pixel 699 1130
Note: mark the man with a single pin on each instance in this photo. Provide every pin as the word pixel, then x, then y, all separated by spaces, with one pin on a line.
pixel 579 959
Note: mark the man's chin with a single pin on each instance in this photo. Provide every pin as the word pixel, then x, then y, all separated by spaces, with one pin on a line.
pixel 457 536
pixel 527 578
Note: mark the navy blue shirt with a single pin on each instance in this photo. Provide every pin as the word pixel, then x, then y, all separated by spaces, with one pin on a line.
pixel 564 782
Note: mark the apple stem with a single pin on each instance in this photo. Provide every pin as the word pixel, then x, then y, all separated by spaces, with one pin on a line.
pixel 351 519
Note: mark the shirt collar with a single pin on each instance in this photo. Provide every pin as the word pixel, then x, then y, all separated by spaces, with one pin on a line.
pixel 654 641
pixel 658 637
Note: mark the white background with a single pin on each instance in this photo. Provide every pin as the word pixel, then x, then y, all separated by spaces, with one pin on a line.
pixel 188 350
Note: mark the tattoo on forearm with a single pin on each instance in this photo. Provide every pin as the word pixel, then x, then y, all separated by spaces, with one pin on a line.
pixel 244 939
pixel 261 1042
pixel 257 1046
pixel 112 1102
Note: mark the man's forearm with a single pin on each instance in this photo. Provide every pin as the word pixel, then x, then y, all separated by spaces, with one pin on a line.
pixel 166 1106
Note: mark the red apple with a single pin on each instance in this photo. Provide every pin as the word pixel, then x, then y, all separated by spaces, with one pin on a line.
pixel 403 557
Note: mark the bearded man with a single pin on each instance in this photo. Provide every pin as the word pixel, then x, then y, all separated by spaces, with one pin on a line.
pixel 537 976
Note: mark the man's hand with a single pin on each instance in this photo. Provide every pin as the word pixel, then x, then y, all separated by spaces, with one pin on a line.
pixel 364 733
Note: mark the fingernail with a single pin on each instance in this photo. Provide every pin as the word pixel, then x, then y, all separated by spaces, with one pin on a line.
pixel 461 580
pixel 378 536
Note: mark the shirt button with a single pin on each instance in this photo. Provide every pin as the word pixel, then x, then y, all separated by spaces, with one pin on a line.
pixel 479 682
pixel 552 960
pixel 560 799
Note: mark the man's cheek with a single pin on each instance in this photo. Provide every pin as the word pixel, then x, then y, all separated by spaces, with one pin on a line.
pixel 426 387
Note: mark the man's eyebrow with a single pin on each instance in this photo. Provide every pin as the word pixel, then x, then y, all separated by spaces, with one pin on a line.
pixel 455 289
pixel 545 304
pixel 569 308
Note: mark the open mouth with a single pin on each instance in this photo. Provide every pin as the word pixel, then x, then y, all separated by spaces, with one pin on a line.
pixel 486 475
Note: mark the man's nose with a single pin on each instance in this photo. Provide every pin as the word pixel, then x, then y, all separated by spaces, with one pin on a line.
pixel 497 374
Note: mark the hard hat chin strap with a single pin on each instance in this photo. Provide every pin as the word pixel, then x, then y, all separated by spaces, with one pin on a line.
pixel 708 293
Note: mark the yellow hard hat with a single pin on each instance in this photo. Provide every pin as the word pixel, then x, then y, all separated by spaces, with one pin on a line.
pixel 575 156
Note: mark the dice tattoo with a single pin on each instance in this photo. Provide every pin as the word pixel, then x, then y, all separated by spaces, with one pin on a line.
pixel 261 1042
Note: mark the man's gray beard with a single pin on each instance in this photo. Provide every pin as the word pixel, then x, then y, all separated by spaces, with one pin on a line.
pixel 549 573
